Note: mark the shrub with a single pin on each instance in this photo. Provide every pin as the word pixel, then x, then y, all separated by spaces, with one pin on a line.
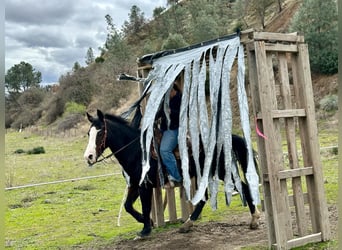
pixel 37 150
pixel 334 151
pixel 74 108
pixel 26 117
pixel 99 59
pixel 69 122
pixel 19 151
pixel 329 103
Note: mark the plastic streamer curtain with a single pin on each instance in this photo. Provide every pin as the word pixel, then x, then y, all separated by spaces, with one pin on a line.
pixel 206 122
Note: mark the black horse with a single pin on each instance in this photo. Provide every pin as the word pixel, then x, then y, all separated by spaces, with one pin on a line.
pixel 123 139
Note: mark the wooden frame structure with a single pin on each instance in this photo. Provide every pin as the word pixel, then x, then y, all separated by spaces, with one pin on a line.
pixel 283 106
pixel 284 110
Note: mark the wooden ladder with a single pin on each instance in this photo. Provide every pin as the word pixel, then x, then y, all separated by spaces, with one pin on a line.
pixel 284 110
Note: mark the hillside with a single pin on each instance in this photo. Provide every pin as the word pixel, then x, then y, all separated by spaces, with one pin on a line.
pixel 96 86
pixel 323 85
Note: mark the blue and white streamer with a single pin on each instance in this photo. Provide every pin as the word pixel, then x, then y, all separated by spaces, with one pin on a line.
pixel 208 121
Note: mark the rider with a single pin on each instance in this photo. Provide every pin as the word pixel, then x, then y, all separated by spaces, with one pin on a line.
pixel 169 139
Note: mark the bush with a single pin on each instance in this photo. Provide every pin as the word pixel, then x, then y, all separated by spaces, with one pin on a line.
pixel 174 41
pixel 31 97
pixel 329 103
pixel 74 108
pixel 54 109
pixel 19 151
pixel 37 150
pixel 26 117
pixel 69 121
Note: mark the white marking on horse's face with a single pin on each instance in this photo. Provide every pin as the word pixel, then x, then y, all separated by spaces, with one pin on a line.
pixel 90 152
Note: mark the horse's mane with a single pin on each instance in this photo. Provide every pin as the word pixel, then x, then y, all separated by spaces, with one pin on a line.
pixel 118 119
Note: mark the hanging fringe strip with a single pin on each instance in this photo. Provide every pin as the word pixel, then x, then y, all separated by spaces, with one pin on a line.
pixel 209 122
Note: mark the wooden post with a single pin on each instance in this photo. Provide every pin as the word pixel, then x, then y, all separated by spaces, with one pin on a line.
pixel 157 207
pixel 171 200
pixel 310 144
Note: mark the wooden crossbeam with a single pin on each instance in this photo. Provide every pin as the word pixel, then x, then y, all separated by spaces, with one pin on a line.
pixel 291 173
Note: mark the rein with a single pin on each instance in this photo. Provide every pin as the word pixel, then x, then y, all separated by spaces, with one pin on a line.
pixel 104 141
pixel 117 151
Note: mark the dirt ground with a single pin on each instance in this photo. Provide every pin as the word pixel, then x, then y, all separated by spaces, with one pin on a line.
pixel 233 233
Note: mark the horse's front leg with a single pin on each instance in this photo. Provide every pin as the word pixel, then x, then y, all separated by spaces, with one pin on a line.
pixel 146 203
pixel 132 196
pixel 186 226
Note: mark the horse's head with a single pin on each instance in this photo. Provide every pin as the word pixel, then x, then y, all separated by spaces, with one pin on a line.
pixel 97 137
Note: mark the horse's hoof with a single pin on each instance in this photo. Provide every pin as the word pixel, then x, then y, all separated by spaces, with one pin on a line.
pixel 137 237
pixel 186 226
pixel 255 220
pixel 145 232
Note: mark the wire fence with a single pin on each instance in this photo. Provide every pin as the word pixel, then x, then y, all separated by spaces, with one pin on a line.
pixel 107 175
pixel 52 132
pixel 61 181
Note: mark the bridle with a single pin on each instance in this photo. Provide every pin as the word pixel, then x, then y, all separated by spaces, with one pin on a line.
pixel 101 147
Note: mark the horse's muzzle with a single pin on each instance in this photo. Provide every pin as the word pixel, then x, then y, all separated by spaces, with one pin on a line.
pixel 91 160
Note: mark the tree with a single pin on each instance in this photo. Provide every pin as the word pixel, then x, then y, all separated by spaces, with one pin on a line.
pixel 135 24
pixel 157 11
pixel 204 27
pixel 260 7
pixel 90 56
pixel 317 20
pixel 240 9
pixel 280 5
pixel 174 41
pixel 76 67
pixel 21 77
pixel 117 51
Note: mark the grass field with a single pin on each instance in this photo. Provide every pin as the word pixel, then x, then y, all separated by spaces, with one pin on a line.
pixel 85 213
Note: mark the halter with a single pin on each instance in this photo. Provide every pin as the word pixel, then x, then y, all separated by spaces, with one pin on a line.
pixel 102 146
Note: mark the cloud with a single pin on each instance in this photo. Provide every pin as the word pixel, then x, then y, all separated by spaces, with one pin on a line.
pixel 31 12
pixel 52 35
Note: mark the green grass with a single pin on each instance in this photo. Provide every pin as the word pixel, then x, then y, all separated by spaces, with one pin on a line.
pixel 85 213
pixel 63 159
pixel 65 215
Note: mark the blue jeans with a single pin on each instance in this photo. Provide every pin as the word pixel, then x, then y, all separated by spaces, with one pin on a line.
pixel 168 144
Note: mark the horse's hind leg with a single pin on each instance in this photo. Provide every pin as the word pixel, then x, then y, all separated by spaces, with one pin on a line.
pixel 132 196
pixel 254 224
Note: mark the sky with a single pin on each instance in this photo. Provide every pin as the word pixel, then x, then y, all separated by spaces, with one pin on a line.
pixel 52 35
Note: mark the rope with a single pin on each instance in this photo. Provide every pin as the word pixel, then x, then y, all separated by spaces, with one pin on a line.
pixel 110 155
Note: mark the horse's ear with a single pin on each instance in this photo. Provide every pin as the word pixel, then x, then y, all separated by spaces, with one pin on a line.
pixel 100 115
pixel 90 118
